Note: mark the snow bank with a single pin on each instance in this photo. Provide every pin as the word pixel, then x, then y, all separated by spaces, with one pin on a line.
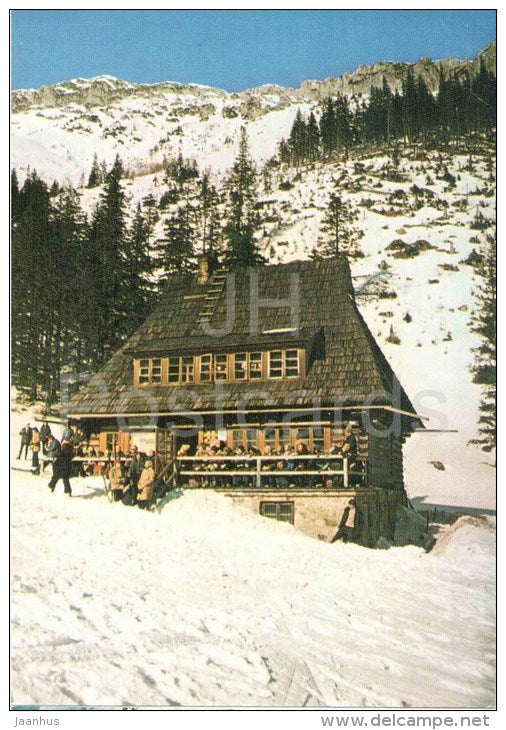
pixel 474 536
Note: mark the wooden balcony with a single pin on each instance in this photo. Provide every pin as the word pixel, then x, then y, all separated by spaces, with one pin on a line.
pixel 258 472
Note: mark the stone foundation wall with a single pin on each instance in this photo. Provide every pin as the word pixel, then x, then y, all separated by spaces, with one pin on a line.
pixel 319 514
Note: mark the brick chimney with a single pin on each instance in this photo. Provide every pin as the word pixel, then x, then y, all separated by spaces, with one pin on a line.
pixel 203 269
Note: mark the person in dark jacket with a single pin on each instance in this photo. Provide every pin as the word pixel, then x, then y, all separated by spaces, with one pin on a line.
pixel 26 439
pixel 62 467
pixel 45 433
pixel 346 531
pixel 134 473
pixel 22 442
pixel 350 450
pixel 52 450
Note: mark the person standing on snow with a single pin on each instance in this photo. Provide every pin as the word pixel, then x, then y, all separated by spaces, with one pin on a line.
pixel 45 433
pixel 35 444
pixel 134 472
pixel 52 450
pixel 26 439
pixel 117 480
pixel 22 443
pixel 145 486
pixel 346 531
pixel 62 467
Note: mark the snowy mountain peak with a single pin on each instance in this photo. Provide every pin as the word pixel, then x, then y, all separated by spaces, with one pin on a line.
pixel 58 128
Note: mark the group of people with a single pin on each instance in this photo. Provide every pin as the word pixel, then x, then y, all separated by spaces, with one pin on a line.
pixel 129 477
pixel 132 479
pixel 285 463
pixel 36 440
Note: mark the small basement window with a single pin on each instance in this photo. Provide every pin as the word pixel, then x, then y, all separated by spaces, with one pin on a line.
pixel 281 511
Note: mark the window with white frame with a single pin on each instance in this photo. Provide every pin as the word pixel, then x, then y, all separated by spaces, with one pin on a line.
pixel 187 369
pixel 291 363
pixel 173 370
pixel 275 369
pixel 283 364
pixel 255 365
pixel 222 367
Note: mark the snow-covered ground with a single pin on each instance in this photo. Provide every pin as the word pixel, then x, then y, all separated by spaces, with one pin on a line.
pixel 206 604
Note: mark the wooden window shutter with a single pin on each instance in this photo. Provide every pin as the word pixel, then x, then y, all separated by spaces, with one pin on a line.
pixel 123 442
pixel 102 442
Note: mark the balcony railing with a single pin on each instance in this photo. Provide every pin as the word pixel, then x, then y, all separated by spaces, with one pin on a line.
pixel 257 470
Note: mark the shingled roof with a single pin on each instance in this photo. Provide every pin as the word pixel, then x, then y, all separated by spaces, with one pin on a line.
pixel 347 367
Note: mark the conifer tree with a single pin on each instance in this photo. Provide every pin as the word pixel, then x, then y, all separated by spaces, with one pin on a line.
pixel 313 138
pixel 297 141
pixel 138 264
pixel 243 219
pixel 328 128
pixel 95 177
pixel 108 314
pixel 66 258
pixel 483 323
pixel 339 234
pixel 177 248
pixel 30 283
pixel 209 224
pixel 54 190
pixel 14 193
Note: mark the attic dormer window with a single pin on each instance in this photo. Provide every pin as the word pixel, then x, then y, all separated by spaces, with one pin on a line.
pixel 181 370
pixel 220 367
pixel 150 371
pixel 284 364
pixel 206 368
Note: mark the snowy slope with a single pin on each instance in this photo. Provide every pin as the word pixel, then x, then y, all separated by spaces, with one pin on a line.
pixel 209 605
pixel 159 122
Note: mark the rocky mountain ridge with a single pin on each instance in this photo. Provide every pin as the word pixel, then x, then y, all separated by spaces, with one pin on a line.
pixel 104 90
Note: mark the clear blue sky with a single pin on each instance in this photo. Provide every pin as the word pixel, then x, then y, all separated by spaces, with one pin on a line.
pixel 233 49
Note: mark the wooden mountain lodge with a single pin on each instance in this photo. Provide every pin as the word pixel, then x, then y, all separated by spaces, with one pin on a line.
pixel 268 367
